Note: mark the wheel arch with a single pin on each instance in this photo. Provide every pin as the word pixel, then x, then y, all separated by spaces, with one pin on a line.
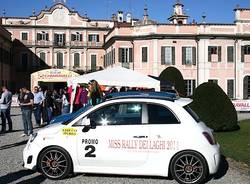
pixel 187 150
pixel 55 146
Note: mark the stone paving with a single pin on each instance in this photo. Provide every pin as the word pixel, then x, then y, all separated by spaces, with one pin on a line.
pixel 11 170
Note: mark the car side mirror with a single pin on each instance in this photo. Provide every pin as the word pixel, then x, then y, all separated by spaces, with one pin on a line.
pixel 86 124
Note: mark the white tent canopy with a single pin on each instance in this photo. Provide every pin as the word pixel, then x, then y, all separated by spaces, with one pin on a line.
pixel 117 76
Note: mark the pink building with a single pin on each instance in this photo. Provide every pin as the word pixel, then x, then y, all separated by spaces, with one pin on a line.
pixel 203 52
pixel 56 38
pixel 60 37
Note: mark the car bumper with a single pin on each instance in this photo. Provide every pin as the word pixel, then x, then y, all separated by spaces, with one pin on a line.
pixel 213 156
pixel 30 154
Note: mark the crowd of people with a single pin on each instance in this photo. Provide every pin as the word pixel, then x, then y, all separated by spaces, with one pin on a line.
pixel 45 104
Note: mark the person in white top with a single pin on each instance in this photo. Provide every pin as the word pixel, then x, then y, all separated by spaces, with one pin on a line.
pixel 65 102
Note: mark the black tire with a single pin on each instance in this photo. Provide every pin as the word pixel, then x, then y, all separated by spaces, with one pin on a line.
pixel 55 163
pixel 189 167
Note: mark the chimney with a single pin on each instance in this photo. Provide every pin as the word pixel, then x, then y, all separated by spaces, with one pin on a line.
pixel 120 16
pixel 129 18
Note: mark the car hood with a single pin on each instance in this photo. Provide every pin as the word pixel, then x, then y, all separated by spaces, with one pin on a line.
pixel 51 129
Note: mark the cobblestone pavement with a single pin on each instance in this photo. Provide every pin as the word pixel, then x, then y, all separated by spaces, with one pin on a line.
pixel 11 170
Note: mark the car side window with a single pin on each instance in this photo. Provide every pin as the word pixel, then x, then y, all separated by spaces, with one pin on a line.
pixel 117 114
pixel 158 114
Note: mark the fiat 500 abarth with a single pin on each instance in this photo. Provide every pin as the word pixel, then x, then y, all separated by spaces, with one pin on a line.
pixel 150 134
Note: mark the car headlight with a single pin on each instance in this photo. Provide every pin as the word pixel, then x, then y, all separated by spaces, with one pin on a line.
pixel 32 137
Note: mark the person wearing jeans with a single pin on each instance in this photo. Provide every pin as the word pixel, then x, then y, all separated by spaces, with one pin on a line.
pixel 26 104
pixel 37 107
pixel 5 106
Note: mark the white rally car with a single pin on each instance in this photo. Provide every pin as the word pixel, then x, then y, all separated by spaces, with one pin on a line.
pixel 130 134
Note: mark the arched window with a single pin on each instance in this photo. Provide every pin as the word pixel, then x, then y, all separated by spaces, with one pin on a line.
pixel 43 57
pixel 59 61
pixel 76 60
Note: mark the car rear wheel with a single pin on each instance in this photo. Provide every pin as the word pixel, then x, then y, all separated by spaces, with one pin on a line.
pixel 55 163
pixel 189 167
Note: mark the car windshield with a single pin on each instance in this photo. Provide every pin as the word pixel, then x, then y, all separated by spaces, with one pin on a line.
pixel 192 113
pixel 77 113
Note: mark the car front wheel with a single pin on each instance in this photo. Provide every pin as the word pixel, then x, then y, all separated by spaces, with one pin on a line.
pixel 55 163
pixel 188 167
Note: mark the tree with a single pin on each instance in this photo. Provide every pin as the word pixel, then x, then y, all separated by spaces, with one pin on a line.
pixel 173 75
pixel 214 107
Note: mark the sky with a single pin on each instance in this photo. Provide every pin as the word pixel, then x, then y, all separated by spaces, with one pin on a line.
pixel 217 11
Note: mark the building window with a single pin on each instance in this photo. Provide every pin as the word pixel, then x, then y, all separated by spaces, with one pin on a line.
pixel 214 51
pixel 189 55
pixel 76 37
pixel 43 36
pixel 93 62
pixel 190 86
pixel 59 60
pixel 59 39
pixel 246 87
pixel 230 53
pixel 109 58
pixel 43 57
pixel 247 49
pixel 213 81
pixel 76 60
pixel 144 54
pixel 24 36
pixel 93 38
pixel 125 55
pixel 168 55
pixel 230 88
pixel 24 59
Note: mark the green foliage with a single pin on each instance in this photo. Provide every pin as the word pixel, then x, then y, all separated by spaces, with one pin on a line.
pixel 214 107
pixel 236 144
pixel 173 75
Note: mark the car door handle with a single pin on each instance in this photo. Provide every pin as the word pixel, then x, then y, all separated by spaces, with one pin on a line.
pixel 140 136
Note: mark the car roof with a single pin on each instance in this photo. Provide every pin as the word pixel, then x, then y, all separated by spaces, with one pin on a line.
pixel 138 94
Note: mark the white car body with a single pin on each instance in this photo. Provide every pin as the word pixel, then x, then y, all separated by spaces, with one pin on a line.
pixel 144 149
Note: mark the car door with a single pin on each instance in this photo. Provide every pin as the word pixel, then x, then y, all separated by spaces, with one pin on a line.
pixel 164 129
pixel 114 137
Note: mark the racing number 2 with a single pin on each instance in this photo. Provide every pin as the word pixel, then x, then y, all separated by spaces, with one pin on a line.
pixel 91 150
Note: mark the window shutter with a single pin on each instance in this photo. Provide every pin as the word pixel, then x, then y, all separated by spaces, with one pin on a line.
pixel 64 38
pixel 194 55
pixel 183 55
pixel 130 55
pixel 242 54
pixel 47 36
pixel 163 55
pixel 144 54
pixel 219 54
pixel 38 36
pixel 173 56
pixel 80 37
pixel 90 38
pixel 120 55
pixel 55 38
pixel 230 54
pixel 72 37
pixel 97 38
pixel 209 53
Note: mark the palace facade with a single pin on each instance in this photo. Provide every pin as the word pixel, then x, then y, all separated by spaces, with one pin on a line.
pixel 62 38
